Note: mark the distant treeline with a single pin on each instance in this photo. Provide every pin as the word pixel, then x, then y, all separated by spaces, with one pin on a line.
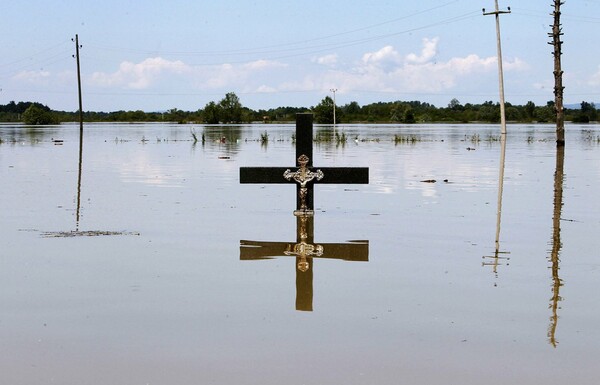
pixel 230 110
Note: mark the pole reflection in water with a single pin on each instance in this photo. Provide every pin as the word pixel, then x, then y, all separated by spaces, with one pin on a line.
pixel 77 232
pixel 495 260
pixel 304 250
pixel 78 208
pixel 556 244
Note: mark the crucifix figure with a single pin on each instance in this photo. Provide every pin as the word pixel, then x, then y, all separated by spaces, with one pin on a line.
pixel 303 176
pixel 304 250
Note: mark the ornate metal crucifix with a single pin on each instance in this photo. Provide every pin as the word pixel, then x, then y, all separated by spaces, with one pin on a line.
pixel 303 176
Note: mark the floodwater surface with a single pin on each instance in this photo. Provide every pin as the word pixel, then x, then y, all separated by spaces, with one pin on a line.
pixel 121 263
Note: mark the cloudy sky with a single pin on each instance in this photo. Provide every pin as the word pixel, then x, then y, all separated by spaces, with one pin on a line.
pixel 155 55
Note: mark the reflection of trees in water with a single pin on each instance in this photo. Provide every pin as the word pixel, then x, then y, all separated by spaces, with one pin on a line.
pixel 227 137
pixel 556 244
pixel 24 134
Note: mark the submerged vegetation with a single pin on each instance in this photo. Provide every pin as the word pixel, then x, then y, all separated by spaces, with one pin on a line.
pixel 406 139
pixel 264 137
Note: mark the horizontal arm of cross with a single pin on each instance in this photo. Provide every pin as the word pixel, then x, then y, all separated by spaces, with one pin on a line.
pixel 357 251
pixel 332 175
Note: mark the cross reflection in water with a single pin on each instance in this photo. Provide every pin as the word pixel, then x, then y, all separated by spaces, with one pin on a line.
pixel 305 250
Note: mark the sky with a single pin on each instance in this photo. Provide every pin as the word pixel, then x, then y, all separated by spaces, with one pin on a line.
pixel 155 55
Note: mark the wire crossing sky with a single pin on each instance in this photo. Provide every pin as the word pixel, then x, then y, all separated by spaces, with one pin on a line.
pixel 158 55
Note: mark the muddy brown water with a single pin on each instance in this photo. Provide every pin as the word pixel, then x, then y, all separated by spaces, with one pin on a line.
pixel 124 266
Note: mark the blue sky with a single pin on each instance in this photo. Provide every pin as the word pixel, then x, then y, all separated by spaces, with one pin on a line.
pixel 156 55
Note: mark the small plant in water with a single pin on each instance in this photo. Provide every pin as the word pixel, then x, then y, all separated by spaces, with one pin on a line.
pixel 341 138
pixel 264 137
pixel 474 138
pixel 403 139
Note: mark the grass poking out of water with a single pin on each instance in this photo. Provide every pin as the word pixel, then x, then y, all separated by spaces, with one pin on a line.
pixel 475 138
pixel 406 139
pixel 264 138
pixel 341 138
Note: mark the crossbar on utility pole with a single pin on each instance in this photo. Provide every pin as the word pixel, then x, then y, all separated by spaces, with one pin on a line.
pixel 497 13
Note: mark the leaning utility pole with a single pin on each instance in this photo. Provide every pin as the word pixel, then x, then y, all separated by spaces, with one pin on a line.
pixel 497 12
pixel 558 84
pixel 77 46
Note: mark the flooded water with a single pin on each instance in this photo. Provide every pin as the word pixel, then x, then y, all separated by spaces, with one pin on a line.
pixel 121 264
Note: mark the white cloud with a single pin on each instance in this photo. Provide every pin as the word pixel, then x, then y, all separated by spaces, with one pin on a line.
pixel 139 75
pixel 327 60
pixel 387 70
pixel 33 76
pixel 260 65
pixel 265 89
pixel 387 56
pixel 154 71
pixel 428 52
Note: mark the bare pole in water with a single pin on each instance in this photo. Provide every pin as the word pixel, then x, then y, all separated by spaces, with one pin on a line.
pixel 77 46
pixel 77 217
pixel 497 12
pixel 334 90
pixel 558 72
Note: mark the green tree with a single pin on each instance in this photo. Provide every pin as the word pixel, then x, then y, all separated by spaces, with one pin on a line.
pixel 455 105
pixel 530 110
pixel 38 114
pixel 409 116
pixel 489 112
pixel 175 115
pixel 324 111
pixel 231 108
pixel 211 113
pixel 546 113
pixel 352 108
pixel 588 110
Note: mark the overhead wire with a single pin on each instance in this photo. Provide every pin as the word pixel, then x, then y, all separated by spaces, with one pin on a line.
pixel 268 48
pixel 36 60
pixel 318 48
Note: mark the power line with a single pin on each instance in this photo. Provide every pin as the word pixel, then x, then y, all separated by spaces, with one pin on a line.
pixel 293 46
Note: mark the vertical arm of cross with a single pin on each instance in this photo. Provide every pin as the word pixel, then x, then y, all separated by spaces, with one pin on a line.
pixel 304 146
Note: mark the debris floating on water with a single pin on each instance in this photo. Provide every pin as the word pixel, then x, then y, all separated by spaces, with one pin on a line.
pixel 87 233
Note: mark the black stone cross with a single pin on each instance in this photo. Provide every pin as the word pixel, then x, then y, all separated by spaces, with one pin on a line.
pixel 303 177
pixel 304 250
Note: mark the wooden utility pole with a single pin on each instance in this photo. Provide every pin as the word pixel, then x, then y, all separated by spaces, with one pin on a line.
pixel 497 13
pixel 77 46
pixel 558 84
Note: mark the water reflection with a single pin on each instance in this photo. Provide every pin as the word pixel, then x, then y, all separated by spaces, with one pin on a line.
pixel 32 135
pixel 304 251
pixel 554 257
pixel 496 259
pixel 227 138
pixel 78 208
